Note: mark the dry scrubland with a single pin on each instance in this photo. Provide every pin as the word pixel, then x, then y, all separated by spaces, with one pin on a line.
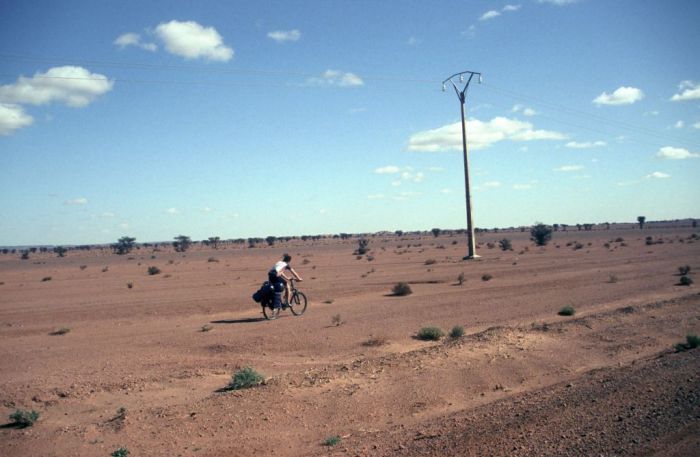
pixel 143 367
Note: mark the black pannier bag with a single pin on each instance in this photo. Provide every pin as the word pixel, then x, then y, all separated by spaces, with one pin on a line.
pixel 265 294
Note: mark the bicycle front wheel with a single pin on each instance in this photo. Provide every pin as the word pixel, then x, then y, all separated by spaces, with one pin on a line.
pixel 271 313
pixel 298 304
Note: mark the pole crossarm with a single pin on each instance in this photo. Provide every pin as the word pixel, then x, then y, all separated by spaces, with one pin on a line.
pixel 461 94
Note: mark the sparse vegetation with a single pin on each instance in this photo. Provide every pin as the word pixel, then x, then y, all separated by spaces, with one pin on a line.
pixel 245 378
pixel 60 251
pixel 121 452
pixel 331 441
pixel 46 278
pixel 336 320
pixel 124 245
pixel 641 220
pixel 24 418
pixel 505 245
pixel 568 310
pixel 686 281
pixel 684 270
pixel 457 332
pixel 362 247
pixel 430 262
pixel 182 243
pixel 153 270
pixel 612 279
pixel 329 301
pixel 430 333
pixel 213 260
pixel 486 277
pixel 130 285
pixel 60 331
pixel 460 279
pixel 375 341
pixel 402 289
pixel 541 234
pixel 691 342
pixel 82 267
pixel 206 328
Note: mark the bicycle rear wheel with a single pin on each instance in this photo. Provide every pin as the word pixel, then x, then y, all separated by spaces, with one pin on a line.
pixel 270 313
pixel 298 304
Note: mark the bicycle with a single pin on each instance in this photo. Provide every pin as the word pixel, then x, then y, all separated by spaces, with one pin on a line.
pixel 297 303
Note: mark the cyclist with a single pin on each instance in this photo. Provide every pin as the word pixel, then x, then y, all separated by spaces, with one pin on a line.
pixel 277 274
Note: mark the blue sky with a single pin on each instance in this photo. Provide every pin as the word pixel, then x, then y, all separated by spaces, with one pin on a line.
pixel 238 119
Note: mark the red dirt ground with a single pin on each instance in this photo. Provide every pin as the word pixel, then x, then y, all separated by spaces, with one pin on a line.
pixel 521 381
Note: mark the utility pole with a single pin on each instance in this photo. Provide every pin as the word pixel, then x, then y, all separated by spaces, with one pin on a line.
pixel 462 95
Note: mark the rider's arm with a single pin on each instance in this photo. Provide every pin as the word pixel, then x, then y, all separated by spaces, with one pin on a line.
pixel 296 275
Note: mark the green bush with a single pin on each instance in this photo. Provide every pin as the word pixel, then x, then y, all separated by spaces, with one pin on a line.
pixel 457 332
pixel 486 277
pixel 331 440
pixel 541 234
pixel 153 270
pixel 245 378
pixel 567 311
pixel 505 245
pixel 686 280
pixel 24 418
pixel 430 334
pixel 684 270
pixel 402 289
pixel 692 342
pixel 121 452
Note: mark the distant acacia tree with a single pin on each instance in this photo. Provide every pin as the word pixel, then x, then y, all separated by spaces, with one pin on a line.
pixel 124 245
pixel 270 240
pixel 182 243
pixel 399 233
pixel 641 220
pixel 214 241
pixel 60 250
pixel 541 234
pixel 362 248
pixel 436 232
pixel 25 255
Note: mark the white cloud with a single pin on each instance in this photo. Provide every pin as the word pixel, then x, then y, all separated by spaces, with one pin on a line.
pixel 491 184
pixel 480 135
pixel 206 209
pixel 192 41
pixel 336 78
pixel 696 125
pixel 489 15
pixel 413 41
pixel 282 36
pixel 406 195
pixel 691 91
pixel 134 39
pixel 76 201
pixel 671 153
pixel 658 175
pixel 172 211
pixel 621 96
pixel 679 125
pixel 522 186
pixel 446 191
pixel 523 109
pixel 389 169
pixel 74 86
pixel 470 32
pixel 586 145
pixel 124 225
pixel 511 7
pixel 569 168
pixel 13 117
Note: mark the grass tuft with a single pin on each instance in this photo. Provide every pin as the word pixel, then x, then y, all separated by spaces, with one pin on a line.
pixel 568 310
pixel 402 289
pixel 60 331
pixel 121 452
pixel 457 332
pixel 375 341
pixel 486 277
pixel 692 342
pixel 245 378
pixel 206 328
pixel 153 270
pixel 430 334
pixel 686 281
pixel 684 270
pixel 24 418
pixel 331 440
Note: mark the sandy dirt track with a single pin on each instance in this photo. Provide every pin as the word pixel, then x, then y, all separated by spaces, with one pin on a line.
pixel 522 381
